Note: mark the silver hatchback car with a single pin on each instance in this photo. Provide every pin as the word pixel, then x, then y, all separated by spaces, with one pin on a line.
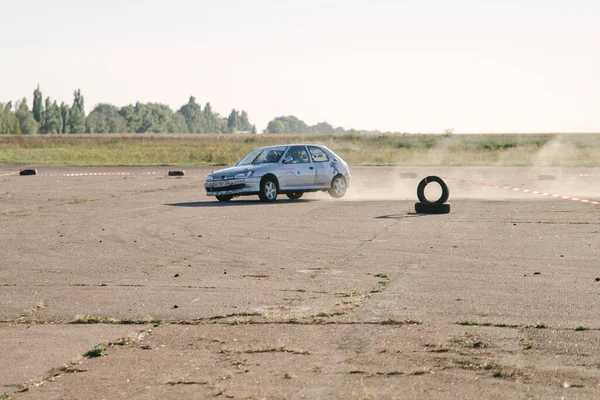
pixel 291 169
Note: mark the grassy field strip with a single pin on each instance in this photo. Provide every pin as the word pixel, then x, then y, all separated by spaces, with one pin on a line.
pixel 377 149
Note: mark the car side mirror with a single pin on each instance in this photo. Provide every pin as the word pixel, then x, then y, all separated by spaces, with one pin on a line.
pixel 288 160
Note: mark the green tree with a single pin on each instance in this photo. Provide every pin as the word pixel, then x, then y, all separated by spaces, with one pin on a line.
pixel 156 118
pixel 150 118
pixel 77 114
pixel 52 120
pixel 64 114
pixel 233 121
pixel 105 118
pixel 212 123
pixel 244 123
pixel 27 124
pixel 322 127
pixel 288 124
pixel 37 105
pixel 132 117
pixel 9 124
pixel 177 124
pixel 194 118
pixel 78 101
pixel 76 121
pixel 277 126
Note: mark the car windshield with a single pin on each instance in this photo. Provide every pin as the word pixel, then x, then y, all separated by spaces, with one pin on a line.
pixel 264 156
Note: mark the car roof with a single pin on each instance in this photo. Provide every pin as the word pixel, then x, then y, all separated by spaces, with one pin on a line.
pixel 294 144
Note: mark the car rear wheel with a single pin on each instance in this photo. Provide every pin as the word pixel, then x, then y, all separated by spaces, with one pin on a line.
pixel 338 187
pixel 224 198
pixel 268 190
pixel 294 195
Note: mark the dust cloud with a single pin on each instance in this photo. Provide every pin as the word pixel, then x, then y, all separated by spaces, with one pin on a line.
pixel 548 170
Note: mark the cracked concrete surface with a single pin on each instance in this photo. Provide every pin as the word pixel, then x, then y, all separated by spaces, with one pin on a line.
pixel 358 298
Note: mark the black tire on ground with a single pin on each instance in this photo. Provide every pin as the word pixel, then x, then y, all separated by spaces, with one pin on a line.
pixel 268 189
pixel 432 208
pixel 24 172
pixel 176 173
pixel 294 195
pixel 224 198
pixel 428 180
pixel 338 187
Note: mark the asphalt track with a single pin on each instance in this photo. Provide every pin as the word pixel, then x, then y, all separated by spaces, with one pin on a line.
pixel 356 298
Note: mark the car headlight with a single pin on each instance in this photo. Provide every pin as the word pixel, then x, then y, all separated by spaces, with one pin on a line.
pixel 210 177
pixel 245 174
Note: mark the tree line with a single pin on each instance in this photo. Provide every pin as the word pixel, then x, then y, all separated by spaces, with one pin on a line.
pixel 48 117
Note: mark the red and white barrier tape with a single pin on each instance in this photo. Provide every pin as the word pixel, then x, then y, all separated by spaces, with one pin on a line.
pixel 100 174
pixel 513 189
pixel 110 173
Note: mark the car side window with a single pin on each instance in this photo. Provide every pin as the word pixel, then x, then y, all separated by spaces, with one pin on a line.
pixel 298 154
pixel 317 154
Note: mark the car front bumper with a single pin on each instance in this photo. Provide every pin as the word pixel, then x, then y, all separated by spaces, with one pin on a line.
pixel 232 187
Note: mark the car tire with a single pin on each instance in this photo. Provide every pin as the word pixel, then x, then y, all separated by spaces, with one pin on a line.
pixel 432 208
pixel 268 189
pixel 224 198
pixel 338 187
pixel 294 195
pixel 428 180
pixel 24 172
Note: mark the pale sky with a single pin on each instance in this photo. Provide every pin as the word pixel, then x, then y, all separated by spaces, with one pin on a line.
pixel 404 66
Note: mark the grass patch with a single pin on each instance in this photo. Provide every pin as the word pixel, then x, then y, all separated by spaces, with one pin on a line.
pixel 470 323
pixel 78 200
pixel 39 306
pixel 505 325
pixel 90 319
pixel 496 325
pixel 381 275
pixel 280 349
pixel 391 321
pixel 97 351
pixel 356 149
pixel 540 326
pixel 582 328
pixel 186 382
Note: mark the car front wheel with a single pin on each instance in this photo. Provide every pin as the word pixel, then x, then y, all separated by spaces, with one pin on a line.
pixel 268 190
pixel 338 187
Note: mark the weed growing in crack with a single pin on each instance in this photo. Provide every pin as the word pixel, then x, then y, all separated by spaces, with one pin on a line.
pixel 89 319
pixel 182 381
pixel 496 325
pixel 97 351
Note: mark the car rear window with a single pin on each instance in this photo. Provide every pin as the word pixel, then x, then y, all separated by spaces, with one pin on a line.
pixel 317 154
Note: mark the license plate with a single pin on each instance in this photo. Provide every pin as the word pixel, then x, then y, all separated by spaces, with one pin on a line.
pixel 223 183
